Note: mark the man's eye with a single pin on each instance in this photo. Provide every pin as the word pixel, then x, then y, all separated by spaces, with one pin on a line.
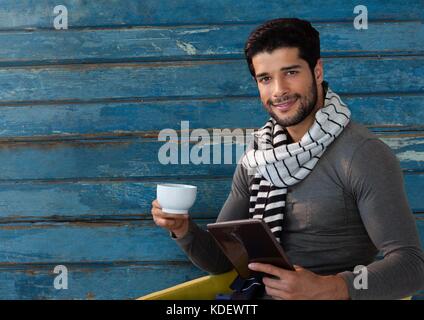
pixel 292 72
pixel 264 79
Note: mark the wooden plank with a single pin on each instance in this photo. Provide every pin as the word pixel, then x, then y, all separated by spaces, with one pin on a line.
pixel 414 185
pixel 87 242
pixel 93 242
pixel 139 157
pixel 225 41
pixel 392 111
pixel 126 281
pixel 39 14
pixel 409 150
pixel 195 79
pixel 87 201
pixel 56 120
pixel 107 200
pixel 108 159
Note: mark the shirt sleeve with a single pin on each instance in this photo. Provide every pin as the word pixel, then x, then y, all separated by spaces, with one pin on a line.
pixel 376 182
pixel 200 246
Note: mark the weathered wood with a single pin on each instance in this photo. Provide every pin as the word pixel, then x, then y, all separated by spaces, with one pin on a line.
pixel 87 242
pixel 117 281
pixel 107 200
pixel 103 119
pixel 195 79
pixel 110 200
pixel 80 110
pixel 39 14
pixel 94 242
pixel 138 157
pixel 200 42
pixel 97 282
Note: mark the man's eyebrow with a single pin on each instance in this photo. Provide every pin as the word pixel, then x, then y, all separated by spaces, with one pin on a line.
pixel 295 66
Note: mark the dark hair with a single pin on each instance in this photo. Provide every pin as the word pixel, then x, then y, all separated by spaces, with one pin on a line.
pixel 284 32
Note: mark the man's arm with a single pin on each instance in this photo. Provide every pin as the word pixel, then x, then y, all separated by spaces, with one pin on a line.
pixel 200 246
pixel 375 177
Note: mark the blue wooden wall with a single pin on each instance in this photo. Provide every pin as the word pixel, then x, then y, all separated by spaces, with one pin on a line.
pixel 80 111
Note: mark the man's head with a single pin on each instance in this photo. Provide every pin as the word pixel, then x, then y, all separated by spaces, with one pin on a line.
pixel 284 58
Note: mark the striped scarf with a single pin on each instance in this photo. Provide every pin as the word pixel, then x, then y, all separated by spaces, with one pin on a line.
pixel 278 164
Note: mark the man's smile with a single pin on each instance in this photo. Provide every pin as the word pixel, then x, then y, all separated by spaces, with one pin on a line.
pixel 286 105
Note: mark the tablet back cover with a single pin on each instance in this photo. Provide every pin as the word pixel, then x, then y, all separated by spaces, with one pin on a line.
pixel 245 241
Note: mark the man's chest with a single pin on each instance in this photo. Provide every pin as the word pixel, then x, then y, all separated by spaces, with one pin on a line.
pixel 321 202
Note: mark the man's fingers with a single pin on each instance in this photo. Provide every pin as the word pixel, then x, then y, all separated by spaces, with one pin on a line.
pixel 165 223
pixel 155 203
pixel 171 223
pixel 277 294
pixel 167 220
pixel 269 269
pixel 275 283
pixel 174 216
pixel 266 268
pixel 159 213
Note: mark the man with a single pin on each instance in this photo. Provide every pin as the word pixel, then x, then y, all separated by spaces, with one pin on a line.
pixel 331 192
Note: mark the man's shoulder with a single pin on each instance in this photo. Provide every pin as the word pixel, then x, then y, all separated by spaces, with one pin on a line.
pixel 355 147
pixel 357 133
pixel 350 140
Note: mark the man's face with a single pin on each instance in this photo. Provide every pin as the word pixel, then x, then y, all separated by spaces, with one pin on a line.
pixel 287 87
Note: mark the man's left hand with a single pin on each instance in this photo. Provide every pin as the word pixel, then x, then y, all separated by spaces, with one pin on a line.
pixel 301 284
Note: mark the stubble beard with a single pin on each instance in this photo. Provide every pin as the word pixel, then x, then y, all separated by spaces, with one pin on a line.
pixel 307 105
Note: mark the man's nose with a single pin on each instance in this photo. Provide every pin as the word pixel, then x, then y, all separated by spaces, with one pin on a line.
pixel 280 88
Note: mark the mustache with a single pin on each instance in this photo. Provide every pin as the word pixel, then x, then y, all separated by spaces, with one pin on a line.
pixel 284 99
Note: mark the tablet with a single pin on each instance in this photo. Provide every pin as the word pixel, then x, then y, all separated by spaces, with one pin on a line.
pixel 246 241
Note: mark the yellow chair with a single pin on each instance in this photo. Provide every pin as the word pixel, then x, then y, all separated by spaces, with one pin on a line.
pixel 204 288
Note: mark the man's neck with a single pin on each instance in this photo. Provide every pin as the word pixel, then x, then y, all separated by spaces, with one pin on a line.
pixel 296 132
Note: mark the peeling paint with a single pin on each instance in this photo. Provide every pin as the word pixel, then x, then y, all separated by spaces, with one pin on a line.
pixel 197 31
pixel 397 143
pixel 187 47
pixel 411 156
pixel 157 48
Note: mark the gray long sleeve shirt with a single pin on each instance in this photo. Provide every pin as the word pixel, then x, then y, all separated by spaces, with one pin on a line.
pixel 350 207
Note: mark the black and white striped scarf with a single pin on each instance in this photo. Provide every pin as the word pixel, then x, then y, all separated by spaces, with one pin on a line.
pixel 278 164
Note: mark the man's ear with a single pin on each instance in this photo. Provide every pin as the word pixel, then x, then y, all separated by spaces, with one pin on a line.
pixel 319 72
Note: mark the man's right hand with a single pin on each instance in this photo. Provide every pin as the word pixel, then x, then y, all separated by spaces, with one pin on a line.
pixel 176 223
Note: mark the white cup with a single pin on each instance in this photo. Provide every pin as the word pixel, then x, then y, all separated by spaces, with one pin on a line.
pixel 176 198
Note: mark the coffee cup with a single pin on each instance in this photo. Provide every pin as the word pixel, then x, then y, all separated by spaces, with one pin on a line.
pixel 176 198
